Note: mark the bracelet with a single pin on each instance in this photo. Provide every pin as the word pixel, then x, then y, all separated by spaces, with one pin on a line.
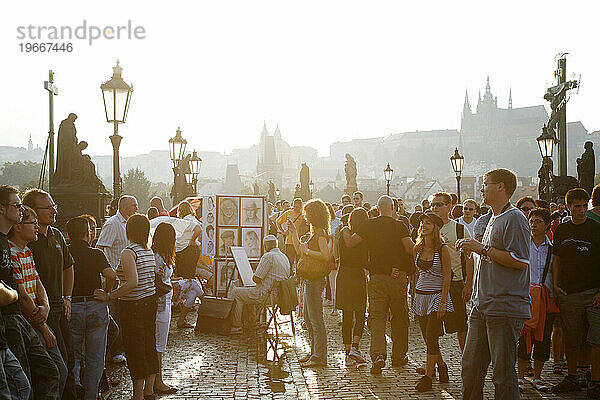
pixel 68 298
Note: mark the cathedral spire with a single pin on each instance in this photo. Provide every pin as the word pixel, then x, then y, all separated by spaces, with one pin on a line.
pixel 479 97
pixel 510 99
pixel 488 89
pixel 466 106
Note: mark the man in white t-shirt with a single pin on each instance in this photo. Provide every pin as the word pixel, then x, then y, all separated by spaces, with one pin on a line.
pixel 460 286
pixel 468 219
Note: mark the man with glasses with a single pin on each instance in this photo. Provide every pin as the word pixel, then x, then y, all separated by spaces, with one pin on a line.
pixel 32 294
pixel 526 204
pixel 470 209
pixel 462 268
pixel 20 337
pixel 54 264
pixel 501 302
pixel 576 272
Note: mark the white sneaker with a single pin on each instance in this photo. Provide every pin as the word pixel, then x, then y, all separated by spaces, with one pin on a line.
pixel 357 356
pixel 349 360
pixel 119 358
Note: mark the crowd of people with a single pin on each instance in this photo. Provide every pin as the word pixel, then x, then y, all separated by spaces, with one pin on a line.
pixel 513 282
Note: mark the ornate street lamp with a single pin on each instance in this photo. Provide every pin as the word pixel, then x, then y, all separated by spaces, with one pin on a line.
pixel 457 162
pixel 117 96
pixel 277 192
pixel 546 142
pixel 177 146
pixel 195 163
pixel 388 173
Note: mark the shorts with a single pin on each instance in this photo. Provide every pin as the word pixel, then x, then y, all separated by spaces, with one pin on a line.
pixel 580 318
pixel 456 321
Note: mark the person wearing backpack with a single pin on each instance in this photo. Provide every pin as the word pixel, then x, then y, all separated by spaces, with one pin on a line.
pixel 461 285
pixel 544 306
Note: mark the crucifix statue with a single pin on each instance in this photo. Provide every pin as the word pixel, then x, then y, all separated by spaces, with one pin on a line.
pixel 52 91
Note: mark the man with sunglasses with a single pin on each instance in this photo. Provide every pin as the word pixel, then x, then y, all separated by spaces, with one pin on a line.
pixel 16 333
pixel 470 208
pixel 526 204
pixel 54 264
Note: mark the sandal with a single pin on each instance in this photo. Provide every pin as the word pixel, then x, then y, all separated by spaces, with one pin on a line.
pixel 557 368
pixel 540 385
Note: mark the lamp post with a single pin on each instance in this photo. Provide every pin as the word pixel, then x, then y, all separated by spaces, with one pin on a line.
pixel 546 142
pixel 457 162
pixel 195 163
pixel 177 146
pixel 277 192
pixel 388 173
pixel 117 96
pixel 311 187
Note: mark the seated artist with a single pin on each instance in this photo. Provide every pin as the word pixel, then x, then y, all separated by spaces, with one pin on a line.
pixel 273 267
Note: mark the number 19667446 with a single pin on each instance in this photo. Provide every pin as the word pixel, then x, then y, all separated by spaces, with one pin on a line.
pixel 45 47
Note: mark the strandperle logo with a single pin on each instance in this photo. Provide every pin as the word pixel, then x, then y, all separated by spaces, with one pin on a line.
pixel 84 31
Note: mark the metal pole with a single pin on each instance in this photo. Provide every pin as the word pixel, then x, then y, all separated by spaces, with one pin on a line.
pixel 388 188
pixel 52 90
pixel 116 142
pixel 458 188
pixel 562 121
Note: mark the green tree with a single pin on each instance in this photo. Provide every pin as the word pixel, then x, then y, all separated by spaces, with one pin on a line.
pixel 136 184
pixel 22 174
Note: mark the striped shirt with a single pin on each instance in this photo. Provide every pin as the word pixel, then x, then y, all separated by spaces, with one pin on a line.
pixel 273 266
pixel 24 270
pixel 430 280
pixel 113 238
pixel 145 265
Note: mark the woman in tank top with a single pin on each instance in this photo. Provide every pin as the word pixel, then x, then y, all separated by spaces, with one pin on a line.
pixel 138 303
pixel 432 299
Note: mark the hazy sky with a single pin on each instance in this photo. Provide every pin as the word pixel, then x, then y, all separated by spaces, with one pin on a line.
pixel 323 70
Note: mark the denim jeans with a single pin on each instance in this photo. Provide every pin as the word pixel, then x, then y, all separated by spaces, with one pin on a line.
pixel 313 316
pixel 491 338
pixel 89 325
pixel 13 381
pixel 54 353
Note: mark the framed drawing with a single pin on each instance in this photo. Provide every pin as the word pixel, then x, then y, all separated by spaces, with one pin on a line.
pixel 224 271
pixel 252 211
pixel 228 211
pixel 252 241
pixel 208 225
pixel 226 238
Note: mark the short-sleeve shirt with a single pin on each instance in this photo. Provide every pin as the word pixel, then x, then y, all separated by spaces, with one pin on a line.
pixel 470 226
pixel 383 235
pixel 448 232
pixel 273 266
pixel 481 224
pixel 89 264
pixel 296 218
pixel 578 246
pixel 24 269
pixel 52 257
pixel 500 290
pixel 537 264
pixel 113 237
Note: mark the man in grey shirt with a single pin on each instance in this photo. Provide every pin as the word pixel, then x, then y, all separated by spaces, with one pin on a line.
pixel 501 302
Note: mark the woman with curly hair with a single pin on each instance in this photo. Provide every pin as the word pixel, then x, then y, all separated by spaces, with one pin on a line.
pixel 314 247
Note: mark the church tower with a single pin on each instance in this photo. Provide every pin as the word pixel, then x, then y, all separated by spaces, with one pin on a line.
pixel 510 99
pixel 29 144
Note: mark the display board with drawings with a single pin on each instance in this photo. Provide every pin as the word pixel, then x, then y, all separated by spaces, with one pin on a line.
pixel 232 220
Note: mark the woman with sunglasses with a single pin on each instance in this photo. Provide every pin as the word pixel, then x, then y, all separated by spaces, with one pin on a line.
pixel 432 293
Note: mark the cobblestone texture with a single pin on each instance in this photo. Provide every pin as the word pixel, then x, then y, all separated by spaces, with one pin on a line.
pixel 205 366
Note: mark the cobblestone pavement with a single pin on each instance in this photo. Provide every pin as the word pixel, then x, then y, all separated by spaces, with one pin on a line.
pixel 207 366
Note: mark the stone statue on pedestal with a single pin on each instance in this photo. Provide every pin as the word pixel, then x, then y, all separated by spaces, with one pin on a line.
pixel 271 193
pixel 350 170
pixel 586 168
pixel 304 182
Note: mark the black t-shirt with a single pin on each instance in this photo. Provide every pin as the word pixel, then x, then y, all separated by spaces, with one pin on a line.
pixel 6 274
pixel 383 236
pixel 578 247
pixel 5 271
pixel 51 257
pixel 89 264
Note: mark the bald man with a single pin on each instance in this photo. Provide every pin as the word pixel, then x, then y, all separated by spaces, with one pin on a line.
pixel 390 249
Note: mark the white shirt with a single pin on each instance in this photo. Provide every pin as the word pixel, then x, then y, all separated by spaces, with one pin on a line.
pixel 537 262
pixel 470 226
pixel 183 241
pixel 113 238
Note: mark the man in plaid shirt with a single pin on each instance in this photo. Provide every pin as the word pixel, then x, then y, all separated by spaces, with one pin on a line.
pixel 32 294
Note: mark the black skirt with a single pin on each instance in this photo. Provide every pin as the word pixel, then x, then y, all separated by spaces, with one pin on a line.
pixel 351 289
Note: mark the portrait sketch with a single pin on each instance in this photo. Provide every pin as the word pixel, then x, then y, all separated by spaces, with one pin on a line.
pixel 227 237
pixel 228 211
pixel 251 240
pixel 252 211
pixel 223 274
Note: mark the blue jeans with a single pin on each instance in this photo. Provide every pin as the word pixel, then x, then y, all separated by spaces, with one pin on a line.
pixel 495 339
pixel 89 324
pixel 13 381
pixel 54 353
pixel 313 316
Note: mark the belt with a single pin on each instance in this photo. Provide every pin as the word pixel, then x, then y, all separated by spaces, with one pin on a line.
pixel 82 299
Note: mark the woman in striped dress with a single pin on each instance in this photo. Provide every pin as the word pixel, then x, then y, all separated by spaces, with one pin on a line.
pixel 137 302
pixel 432 298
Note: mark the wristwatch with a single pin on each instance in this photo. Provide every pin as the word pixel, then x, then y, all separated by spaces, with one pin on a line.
pixel 486 248
pixel 67 298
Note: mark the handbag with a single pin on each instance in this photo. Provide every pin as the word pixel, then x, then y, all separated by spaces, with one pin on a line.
pixel 214 315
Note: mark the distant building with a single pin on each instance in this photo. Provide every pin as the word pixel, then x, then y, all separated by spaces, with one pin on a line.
pixel 29 144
